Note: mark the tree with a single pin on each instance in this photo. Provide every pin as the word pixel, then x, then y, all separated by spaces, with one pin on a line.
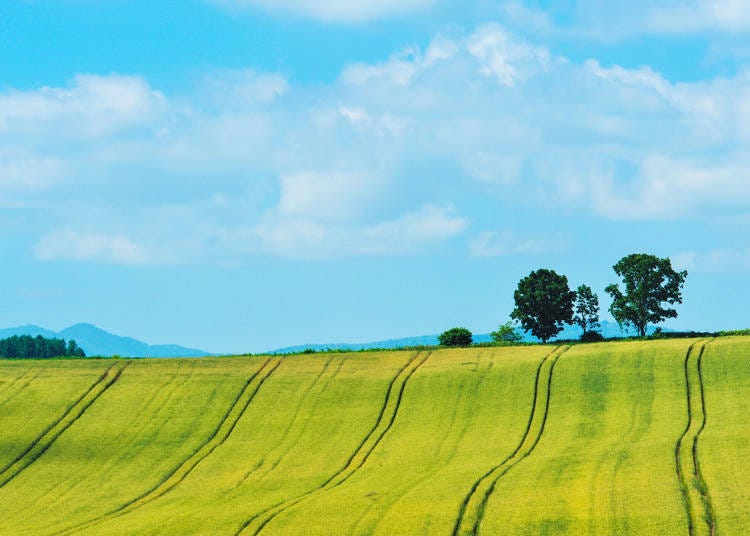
pixel 650 284
pixel 506 333
pixel 456 337
pixel 544 302
pixel 586 310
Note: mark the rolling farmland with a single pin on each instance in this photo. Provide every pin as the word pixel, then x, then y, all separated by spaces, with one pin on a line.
pixel 647 437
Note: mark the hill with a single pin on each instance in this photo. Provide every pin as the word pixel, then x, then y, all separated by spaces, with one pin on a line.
pixel 543 439
pixel 608 329
pixel 98 342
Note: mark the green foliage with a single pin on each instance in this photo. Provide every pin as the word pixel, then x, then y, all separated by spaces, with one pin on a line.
pixel 650 283
pixel 727 333
pixel 544 303
pixel 27 347
pixel 455 337
pixel 586 310
pixel 592 336
pixel 505 334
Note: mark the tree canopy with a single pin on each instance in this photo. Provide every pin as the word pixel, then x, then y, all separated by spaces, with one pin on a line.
pixel 27 347
pixel 456 337
pixel 544 303
pixel 586 310
pixel 650 285
pixel 506 333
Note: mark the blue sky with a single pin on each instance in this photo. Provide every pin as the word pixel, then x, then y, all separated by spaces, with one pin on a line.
pixel 240 175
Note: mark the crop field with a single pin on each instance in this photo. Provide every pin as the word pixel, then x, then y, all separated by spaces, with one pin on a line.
pixel 645 437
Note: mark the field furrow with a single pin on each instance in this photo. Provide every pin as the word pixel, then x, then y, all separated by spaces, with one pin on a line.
pixel 471 512
pixel 586 476
pixel 218 437
pixel 43 442
pixel 384 422
pixel 457 412
pixel 582 439
pixel 694 489
pixel 725 441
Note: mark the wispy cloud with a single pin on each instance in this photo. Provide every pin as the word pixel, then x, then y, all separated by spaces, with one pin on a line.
pixel 339 11
pixel 504 243
pixel 68 244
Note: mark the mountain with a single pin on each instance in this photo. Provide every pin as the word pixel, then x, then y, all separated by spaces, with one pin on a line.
pixel 95 341
pixel 608 330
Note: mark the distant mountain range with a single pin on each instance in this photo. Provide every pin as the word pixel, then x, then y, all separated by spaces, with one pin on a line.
pixel 608 330
pixel 97 342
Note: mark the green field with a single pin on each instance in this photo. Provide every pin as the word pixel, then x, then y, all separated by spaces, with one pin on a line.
pixel 644 437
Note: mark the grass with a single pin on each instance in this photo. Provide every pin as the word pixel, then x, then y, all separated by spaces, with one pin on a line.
pixel 638 437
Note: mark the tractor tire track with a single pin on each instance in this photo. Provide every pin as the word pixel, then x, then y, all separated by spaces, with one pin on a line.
pixel 9 385
pixel 449 443
pixel 387 416
pixel 283 446
pixel 222 432
pixel 472 509
pixel 695 493
pixel 72 413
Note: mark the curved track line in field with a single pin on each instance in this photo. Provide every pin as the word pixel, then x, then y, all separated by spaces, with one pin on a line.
pixel 700 512
pixel 7 386
pixel 222 432
pixel 387 416
pixel 367 522
pixel 472 508
pixel 282 447
pixel 72 413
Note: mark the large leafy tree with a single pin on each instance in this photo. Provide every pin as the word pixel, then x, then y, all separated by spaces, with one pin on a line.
pixel 544 303
pixel 651 284
pixel 586 309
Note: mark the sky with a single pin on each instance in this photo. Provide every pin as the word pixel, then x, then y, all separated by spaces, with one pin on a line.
pixel 242 175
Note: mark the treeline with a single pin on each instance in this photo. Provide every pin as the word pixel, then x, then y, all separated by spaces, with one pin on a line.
pixel 27 347
pixel 545 303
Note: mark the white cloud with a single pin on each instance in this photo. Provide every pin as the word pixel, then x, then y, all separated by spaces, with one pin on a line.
pixel 668 188
pixel 340 11
pixel 485 120
pixel 68 244
pixel 498 244
pixel 22 170
pixel 732 16
pixel 721 260
pixel 243 88
pixel 91 106
pixel 505 57
pixel 334 196
pixel 406 234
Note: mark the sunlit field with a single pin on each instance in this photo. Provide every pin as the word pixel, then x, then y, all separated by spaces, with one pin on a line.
pixel 644 437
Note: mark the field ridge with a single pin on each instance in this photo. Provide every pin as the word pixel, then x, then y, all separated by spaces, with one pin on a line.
pixel 386 417
pixel 472 508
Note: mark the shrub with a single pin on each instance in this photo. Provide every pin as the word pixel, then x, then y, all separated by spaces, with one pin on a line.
pixel 592 336
pixel 456 337
pixel 505 334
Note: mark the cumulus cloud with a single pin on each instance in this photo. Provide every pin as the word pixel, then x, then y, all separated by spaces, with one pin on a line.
pixel 340 11
pixel 389 158
pixel 506 58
